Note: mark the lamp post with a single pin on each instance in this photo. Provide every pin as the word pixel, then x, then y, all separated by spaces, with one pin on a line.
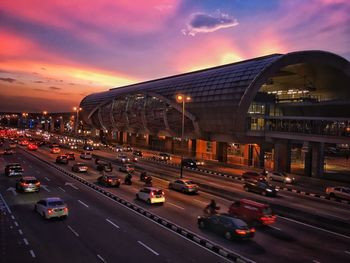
pixel 181 98
pixel 44 114
pixel 25 115
pixel 76 109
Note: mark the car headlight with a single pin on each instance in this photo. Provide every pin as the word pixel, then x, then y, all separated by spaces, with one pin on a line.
pixel 268 190
pixel 288 179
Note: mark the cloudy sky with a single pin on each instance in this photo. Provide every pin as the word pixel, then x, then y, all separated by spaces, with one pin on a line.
pixel 53 53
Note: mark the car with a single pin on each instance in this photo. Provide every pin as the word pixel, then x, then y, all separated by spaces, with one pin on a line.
pixel 123 159
pixel 62 159
pixel 184 185
pixel 51 207
pixel 103 166
pixel 127 148
pixel 253 176
pixel 40 143
pixel 32 147
pixel 86 155
pixel 252 212
pixel 199 162
pixel 23 142
pixel 12 145
pixel 162 157
pixel 226 225
pixel 88 147
pixel 28 184
pixel 13 169
pixel 80 167
pixel 9 151
pixel 54 145
pixel 55 150
pixel 126 168
pixel 72 146
pixel 340 192
pixel 280 177
pixel 109 180
pixel 96 145
pixel 189 163
pixel 70 156
pixel 118 148
pixel 151 195
pixel 261 187
pixel 134 159
pixel 137 153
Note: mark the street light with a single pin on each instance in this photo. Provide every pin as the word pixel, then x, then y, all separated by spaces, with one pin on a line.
pixel 44 114
pixel 25 115
pixel 76 109
pixel 181 98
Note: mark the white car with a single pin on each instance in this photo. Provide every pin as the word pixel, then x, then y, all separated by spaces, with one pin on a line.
pixel 280 177
pixel 151 195
pixel 51 207
pixel 338 192
pixel 123 159
pixel 86 155
pixel 126 168
pixel 184 185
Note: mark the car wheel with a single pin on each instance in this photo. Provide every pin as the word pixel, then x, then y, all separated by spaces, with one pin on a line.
pixel 202 225
pixel 183 190
pixel 264 193
pixel 228 235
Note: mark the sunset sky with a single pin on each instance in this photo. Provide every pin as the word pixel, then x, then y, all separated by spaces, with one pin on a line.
pixel 53 53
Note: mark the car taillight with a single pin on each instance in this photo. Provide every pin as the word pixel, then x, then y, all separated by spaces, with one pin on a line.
pixel 24 184
pixel 241 232
pixel 37 184
pixel 49 210
pixel 152 194
pixel 109 180
pixel 252 230
pixel 65 209
pixel 163 193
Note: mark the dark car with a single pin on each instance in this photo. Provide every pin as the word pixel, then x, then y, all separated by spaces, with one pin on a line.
pixel 13 169
pixel 260 187
pixel 40 143
pixel 62 159
pixel 162 157
pixel 70 156
pixel 127 148
pixel 253 176
pixel 189 163
pixel 102 166
pixel 137 153
pixel 109 180
pixel 80 168
pixel 226 225
pixel 54 145
pixel 88 147
pixel 28 184
pixel 9 151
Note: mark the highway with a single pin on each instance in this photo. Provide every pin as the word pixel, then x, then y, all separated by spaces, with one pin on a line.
pixel 286 240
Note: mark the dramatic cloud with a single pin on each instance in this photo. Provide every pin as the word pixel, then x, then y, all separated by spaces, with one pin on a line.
pixel 10 80
pixel 54 88
pixel 38 81
pixel 204 23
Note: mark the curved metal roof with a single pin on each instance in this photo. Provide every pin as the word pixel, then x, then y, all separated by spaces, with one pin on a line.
pixel 220 96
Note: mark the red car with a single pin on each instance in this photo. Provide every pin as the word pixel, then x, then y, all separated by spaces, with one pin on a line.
pixel 32 147
pixel 252 212
pixel 55 150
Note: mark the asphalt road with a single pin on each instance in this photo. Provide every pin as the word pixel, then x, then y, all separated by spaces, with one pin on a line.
pixel 287 240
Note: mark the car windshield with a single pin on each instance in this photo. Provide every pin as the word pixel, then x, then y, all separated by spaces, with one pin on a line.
pixel 158 192
pixel 55 203
pixel 31 181
pixel 239 223
pixel 189 182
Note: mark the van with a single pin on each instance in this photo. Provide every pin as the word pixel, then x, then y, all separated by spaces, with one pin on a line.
pixel 252 212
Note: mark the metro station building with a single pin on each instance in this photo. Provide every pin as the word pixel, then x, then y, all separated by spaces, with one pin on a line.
pixel 268 111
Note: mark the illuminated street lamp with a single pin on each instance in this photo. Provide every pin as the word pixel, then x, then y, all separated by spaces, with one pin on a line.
pixel 76 109
pixel 44 114
pixel 181 98
pixel 25 115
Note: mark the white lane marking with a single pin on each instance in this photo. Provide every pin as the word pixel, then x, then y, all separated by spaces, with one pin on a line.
pixel 150 249
pixel 83 204
pixel 16 224
pixel 199 201
pixel 275 228
pixel 74 232
pixel 13 217
pixel 316 261
pixel 20 231
pixel 347 252
pixel 102 259
pixel 25 241
pixel 342 218
pixel 13 190
pixel 315 227
pixel 32 253
pixel 71 185
pixel 61 189
pixel 109 221
pixel 177 206
pixel 47 179
pixel 45 188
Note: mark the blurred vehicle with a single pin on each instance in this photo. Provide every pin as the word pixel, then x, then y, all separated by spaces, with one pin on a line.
pixel 54 145
pixel 55 150
pixel 126 168
pixel 23 142
pixel 123 159
pixel 253 176
pixel 88 147
pixel 13 169
pixel 134 159
pixel 184 185
pixel 137 153
pixel 62 159
pixel 79 167
pixel 103 166
pixel 28 184
pixel 109 180
pixel 72 146
pixel 40 143
pixel 127 148
pixel 260 187
pixel 226 225
pixel 189 163
pixel 199 162
pixel 86 155
pixel 51 207
pixel 96 145
pixel 280 177
pixel 32 147
pixel 118 148
pixel 151 195
pixel 162 157
pixel 340 192
pixel 252 212
pixel 70 156
pixel 12 145
pixel 9 151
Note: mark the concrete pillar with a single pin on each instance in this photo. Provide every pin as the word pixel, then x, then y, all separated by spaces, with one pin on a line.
pixel 193 147
pixel 146 140
pixel 133 139
pixel 262 150
pixel 282 156
pixel 317 159
pixel 169 145
pixel 124 137
pixel 221 151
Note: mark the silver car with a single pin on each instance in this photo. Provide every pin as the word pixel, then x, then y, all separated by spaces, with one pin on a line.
pixel 184 185
pixel 51 207
pixel 28 184
pixel 338 192
pixel 280 177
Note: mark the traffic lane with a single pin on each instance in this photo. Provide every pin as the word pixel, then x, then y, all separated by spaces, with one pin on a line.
pixel 98 207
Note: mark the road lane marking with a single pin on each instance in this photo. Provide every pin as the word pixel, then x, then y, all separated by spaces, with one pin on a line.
pixel 20 231
pixel 71 185
pixel 13 217
pixel 16 224
pixel 315 227
pixel 13 190
pixel 47 179
pixel 45 188
pixel 83 204
pixel 109 221
pixel 74 232
pixel 180 207
pixel 102 259
pixel 61 189
pixel 150 249
pixel 275 228
pixel 32 253
pixel 25 241
pixel 199 201
pixel 316 261
pixel 347 252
